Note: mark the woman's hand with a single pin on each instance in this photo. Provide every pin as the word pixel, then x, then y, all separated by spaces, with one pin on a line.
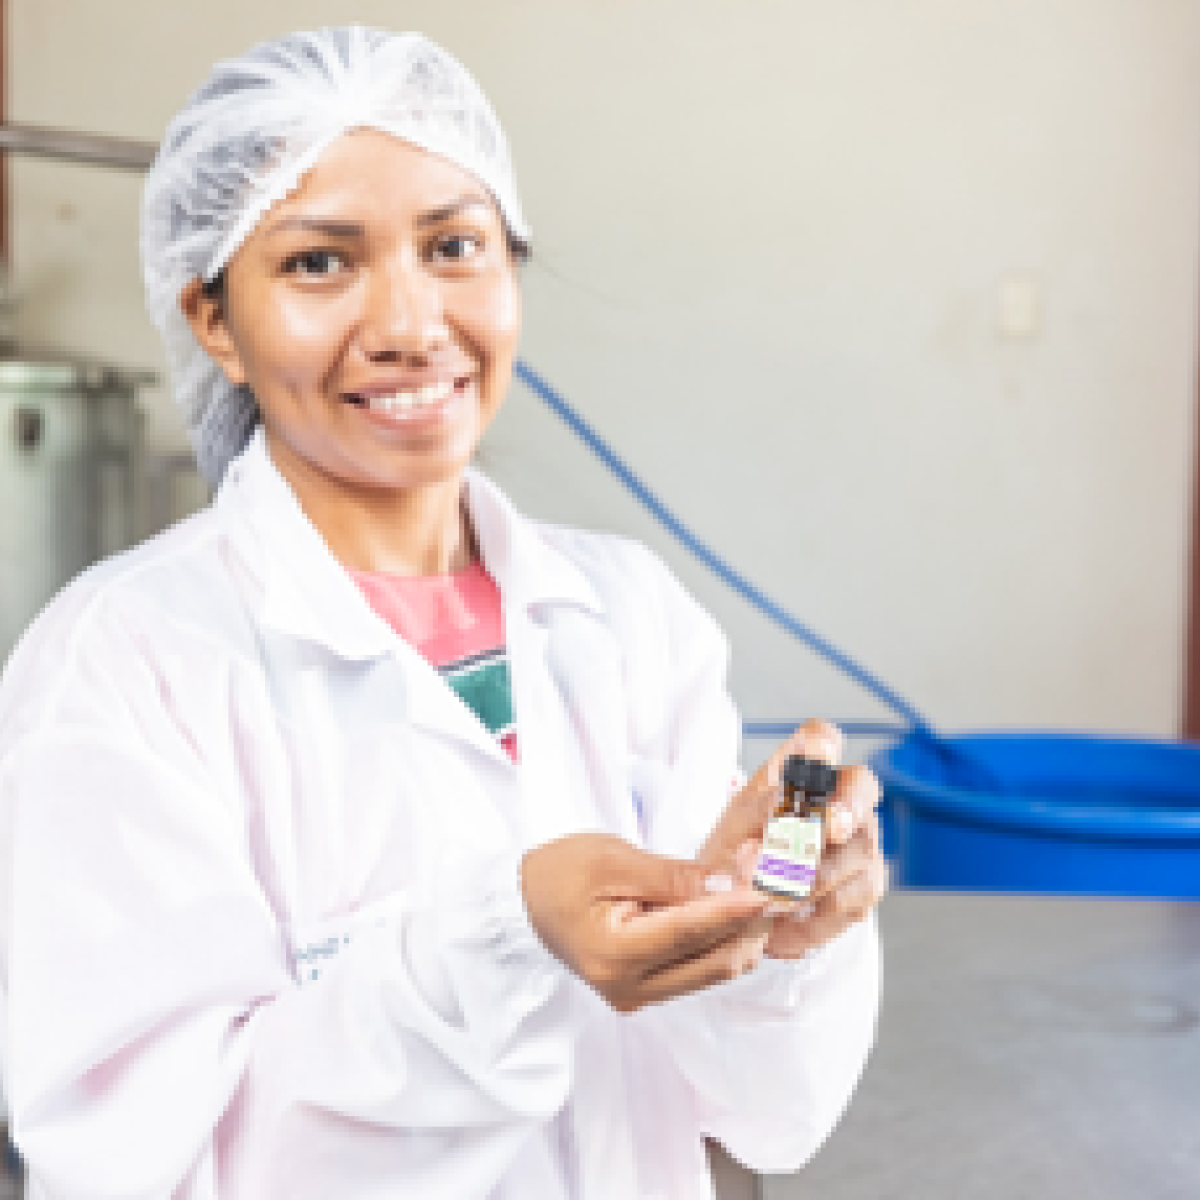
pixel 639 928
pixel 852 876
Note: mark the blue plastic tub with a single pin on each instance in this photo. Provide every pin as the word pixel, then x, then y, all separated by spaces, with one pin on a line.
pixel 1079 814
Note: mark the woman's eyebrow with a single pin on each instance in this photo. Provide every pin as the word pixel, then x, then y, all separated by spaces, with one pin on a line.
pixel 434 215
pixel 337 229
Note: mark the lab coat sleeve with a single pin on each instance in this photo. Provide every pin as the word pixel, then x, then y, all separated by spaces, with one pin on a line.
pixel 773 1057
pixel 158 1045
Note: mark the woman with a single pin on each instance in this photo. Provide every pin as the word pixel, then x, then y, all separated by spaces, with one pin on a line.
pixel 363 836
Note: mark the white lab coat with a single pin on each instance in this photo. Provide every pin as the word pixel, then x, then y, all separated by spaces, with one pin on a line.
pixel 261 931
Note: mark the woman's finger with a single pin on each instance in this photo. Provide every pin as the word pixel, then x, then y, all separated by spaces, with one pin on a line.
pixel 853 897
pixel 854 802
pixel 748 812
pixel 609 866
pixel 814 739
pixel 718 964
pixel 653 939
pixel 745 861
pixel 744 817
pixel 814 924
pixel 842 862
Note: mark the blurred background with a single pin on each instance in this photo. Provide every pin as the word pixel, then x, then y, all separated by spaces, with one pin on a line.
pixel 894 301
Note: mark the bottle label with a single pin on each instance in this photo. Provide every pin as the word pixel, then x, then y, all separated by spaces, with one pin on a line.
pixel 791 850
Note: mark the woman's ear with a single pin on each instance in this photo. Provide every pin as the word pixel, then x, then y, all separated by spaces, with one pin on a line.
pixel 206 315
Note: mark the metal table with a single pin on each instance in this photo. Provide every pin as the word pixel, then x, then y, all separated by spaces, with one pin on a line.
pixel 1028 1048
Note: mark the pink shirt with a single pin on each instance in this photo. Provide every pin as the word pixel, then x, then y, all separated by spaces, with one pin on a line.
pixel 456 621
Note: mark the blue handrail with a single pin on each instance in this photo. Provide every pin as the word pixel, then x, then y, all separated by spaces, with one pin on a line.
pixel 849 726
pixel 744 588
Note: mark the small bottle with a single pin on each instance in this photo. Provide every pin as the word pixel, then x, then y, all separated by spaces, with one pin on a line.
pixel 795 834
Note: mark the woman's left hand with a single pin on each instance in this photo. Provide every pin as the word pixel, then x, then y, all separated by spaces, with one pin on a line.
pixel 852 876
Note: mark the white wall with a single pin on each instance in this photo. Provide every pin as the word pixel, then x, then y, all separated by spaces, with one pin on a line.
pixel 770 242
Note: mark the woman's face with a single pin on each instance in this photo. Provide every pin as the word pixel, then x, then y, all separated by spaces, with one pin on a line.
pixel 374 313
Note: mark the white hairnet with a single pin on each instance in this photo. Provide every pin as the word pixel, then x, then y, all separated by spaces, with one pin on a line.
pixel 246 138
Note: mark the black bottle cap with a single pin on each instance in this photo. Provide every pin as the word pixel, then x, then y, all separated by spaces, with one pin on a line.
pixel 814 777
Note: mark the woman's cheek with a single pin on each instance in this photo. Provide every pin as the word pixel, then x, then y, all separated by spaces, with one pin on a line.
pixel 307 325
pixel 494 318
pixel 289 337
pixel 491 322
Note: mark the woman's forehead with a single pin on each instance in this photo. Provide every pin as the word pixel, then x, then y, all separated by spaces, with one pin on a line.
pixel 374 176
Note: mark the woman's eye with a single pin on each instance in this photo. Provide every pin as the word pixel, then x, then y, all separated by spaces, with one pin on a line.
pixel 316 262
pixel 458 247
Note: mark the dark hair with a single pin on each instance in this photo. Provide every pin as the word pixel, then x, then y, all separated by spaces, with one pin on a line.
pixel 521 251
pixel 214 288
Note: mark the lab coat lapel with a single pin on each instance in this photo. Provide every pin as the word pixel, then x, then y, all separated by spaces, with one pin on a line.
pixel 430 704
pixel 302 590
pixel 305 594
pixel 567 678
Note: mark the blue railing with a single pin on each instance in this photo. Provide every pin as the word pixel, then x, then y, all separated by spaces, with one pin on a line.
pixel 733 578
pixel 914 722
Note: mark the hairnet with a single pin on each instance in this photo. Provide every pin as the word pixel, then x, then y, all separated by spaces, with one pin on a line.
pixel 245 139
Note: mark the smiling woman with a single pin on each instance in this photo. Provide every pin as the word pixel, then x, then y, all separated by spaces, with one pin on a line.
pixel 346 823
pixel 374 317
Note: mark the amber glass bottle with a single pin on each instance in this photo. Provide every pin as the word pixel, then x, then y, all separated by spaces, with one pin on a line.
pixel 795 835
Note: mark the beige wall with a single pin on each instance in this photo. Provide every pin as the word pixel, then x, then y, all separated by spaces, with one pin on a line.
pixel 772 238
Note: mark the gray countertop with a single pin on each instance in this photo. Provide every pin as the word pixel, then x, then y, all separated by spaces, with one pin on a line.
pixel 1028 1047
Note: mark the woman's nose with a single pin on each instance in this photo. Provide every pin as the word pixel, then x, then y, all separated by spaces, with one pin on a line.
pixel 404 312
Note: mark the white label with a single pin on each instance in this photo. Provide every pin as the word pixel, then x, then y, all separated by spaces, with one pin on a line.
pixel 791 850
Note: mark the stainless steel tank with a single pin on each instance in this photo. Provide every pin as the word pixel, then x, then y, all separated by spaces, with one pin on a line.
pixel 70 449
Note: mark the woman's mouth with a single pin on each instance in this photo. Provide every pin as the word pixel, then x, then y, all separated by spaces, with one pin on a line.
pixel 410 401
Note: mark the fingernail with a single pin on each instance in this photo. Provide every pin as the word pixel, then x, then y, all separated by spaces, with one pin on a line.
pixel 777 908
pixel 803 910
pixel 843 823
pixel 719 883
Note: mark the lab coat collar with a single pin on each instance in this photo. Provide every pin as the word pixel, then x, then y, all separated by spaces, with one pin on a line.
pixel 306 593
pixel 528 569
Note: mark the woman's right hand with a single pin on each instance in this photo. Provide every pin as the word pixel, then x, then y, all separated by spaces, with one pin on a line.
pixel 637 927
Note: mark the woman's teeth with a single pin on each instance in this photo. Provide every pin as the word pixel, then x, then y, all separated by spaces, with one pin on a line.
pixel 417 398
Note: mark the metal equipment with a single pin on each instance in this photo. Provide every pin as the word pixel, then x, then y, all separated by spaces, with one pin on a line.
pixel 70 465
pixel 70 435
